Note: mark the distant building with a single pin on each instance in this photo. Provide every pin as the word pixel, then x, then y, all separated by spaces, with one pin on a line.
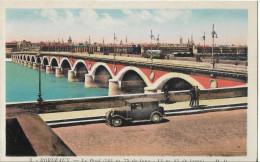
pixel 69 40
pixel 11 47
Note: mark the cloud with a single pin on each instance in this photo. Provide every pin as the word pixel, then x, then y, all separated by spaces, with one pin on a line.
pixel 159 15
pixel 50 14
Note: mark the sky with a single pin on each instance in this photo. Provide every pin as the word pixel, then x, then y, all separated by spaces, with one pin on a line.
pixel 231 25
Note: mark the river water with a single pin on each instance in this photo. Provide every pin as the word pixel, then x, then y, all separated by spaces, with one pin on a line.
pixel 22 85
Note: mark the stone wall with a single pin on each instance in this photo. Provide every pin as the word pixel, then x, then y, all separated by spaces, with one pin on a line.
pixel 117 101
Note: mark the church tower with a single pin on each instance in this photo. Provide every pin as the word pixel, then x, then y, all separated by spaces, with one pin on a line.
pixel 69 40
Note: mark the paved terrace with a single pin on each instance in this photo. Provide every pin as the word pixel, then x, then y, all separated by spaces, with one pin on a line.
pixel 227 70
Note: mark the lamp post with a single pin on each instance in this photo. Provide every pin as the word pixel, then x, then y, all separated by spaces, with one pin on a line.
pixel 214 35
pixel 115 46
pixel 40 94
pixel 204 38
pixel 151 54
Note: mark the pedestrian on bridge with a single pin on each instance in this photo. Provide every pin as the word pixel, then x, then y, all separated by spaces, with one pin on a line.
pixel 166 93
pixel 192 96
pixel 197 95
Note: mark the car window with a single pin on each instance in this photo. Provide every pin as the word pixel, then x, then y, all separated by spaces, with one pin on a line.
pixel 137 106
pixel 149 105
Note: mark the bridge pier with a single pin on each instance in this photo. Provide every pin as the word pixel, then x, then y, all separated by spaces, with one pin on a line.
pixel 58 73
pixel 42 67
pixel 71 76
pixel 34 66
pixel 49 69
pixel 25 63
pixel 30 64
pixel 89 81
pixel 114 88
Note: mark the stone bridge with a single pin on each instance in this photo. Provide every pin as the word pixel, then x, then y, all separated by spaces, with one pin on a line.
pixel 133 75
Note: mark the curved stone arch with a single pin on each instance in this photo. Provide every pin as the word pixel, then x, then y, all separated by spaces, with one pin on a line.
pixel 163 79
pixel 55 59
pixel 23 57
pixel 78 61
pixel 41 60
pixel 44 58
pixel 28 56
pixel 123 71
pixel 98 64
pixel 65 58
pixel 32 56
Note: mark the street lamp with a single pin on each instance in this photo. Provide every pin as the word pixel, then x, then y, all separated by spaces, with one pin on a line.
pixel 152 37
pixel 40 94
pixel 115 38
pixel 214 35
pixel 204 38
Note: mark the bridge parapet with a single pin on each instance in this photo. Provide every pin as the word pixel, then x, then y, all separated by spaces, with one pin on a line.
pixel 118 101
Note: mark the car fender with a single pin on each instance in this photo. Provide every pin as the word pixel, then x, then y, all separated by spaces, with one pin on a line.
pixel 118 116
pixel 155 112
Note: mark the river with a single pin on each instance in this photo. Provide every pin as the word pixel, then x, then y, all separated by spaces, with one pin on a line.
pixel 22 84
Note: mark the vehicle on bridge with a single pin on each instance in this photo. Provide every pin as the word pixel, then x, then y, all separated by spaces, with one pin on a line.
pixel 135 110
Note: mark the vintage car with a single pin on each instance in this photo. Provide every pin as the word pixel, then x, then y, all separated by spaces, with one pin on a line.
pixel 134 110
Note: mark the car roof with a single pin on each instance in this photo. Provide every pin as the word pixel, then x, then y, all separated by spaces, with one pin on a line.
pixel 137 100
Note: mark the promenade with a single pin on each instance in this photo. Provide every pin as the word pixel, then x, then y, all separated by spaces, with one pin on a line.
pixel 101 112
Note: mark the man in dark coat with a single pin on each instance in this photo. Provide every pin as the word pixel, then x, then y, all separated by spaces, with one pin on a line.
pixel 166 93
pixel 197 96
pixel 192 96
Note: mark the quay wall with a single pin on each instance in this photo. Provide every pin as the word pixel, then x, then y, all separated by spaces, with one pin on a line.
pixel 117 101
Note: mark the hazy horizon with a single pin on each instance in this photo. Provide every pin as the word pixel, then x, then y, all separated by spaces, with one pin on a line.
pixel 231 25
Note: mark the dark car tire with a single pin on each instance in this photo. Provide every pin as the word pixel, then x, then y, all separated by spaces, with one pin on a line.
pixel 117 122
pixel 156 118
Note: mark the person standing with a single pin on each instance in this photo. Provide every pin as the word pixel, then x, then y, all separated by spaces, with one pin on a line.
pixel 166 93
pixel 192 96
pixel 197 95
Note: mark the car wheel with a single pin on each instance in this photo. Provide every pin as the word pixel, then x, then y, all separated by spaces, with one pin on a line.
pixel 156 118
pixel 117 122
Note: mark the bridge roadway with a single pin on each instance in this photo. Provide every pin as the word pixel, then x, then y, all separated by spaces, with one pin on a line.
pixel 168 65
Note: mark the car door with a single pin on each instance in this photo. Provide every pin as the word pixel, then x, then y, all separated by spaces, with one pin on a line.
pixel 137 111
pixel 148 109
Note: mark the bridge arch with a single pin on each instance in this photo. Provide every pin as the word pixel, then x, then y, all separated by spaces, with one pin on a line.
pixel 123 71
pixel 24 58
pixel 98 65
pixel 65 66
pixel 65 61
pixel 45 61
pixel 100 74
pixel 167 77
pixel 78 62
pixel 33 59
pixel 28 58
pixel 131 80
pixel 80 69
pixel 54 62
pixel 38 60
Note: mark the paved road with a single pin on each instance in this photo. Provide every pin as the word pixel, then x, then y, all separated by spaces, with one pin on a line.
pixel 209 134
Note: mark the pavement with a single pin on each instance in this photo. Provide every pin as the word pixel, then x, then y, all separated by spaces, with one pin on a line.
pixel 179 108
